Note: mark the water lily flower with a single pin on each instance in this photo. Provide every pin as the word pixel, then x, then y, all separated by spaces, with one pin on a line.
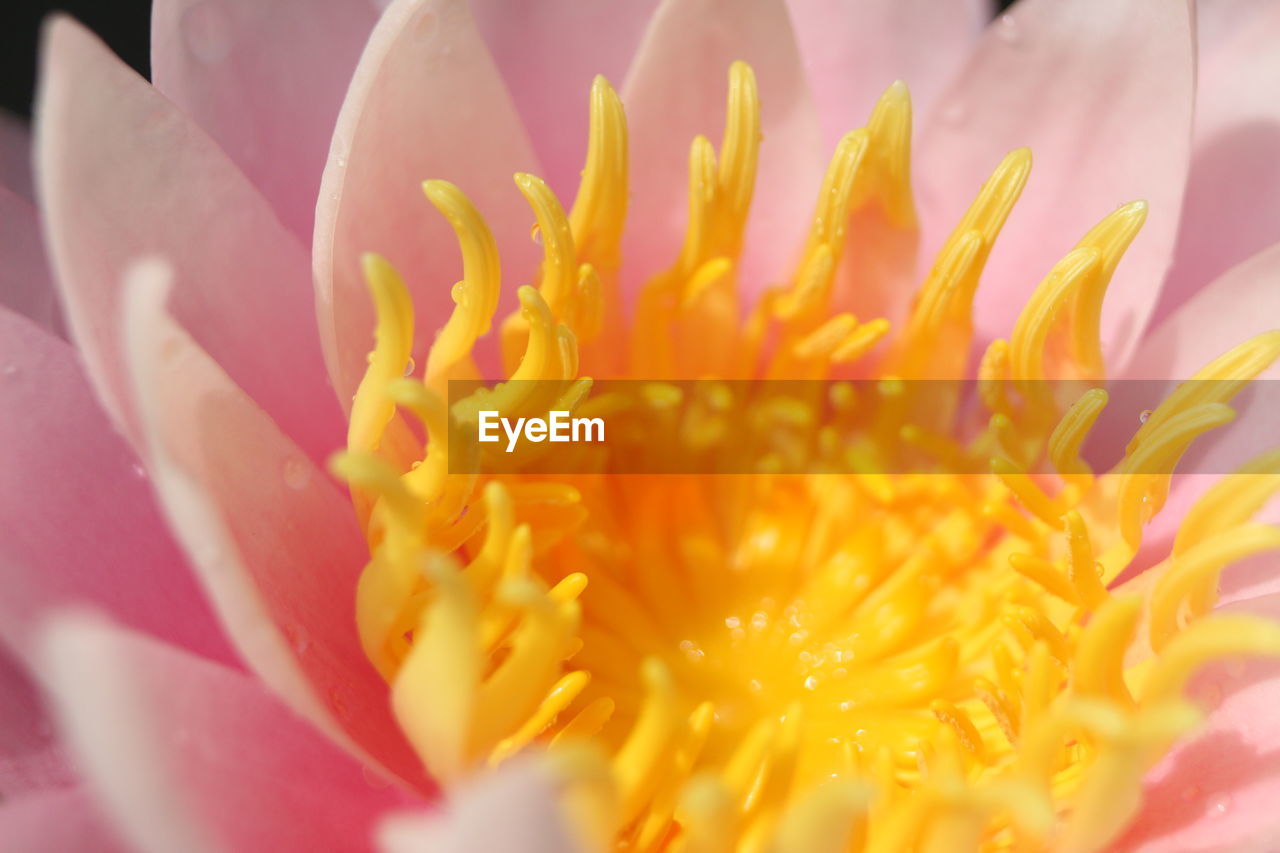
pixel 248 605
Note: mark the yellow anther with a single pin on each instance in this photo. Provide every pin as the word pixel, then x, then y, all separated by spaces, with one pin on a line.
pixel 562 694
pixel 1211 638
pixel 476 296
pixel 1110 237
pixel 739 151
pixel 1231 501
pixel 890 154
pixel 446 651
pixel 831 215
pixel 1098 666
pixel 1197 568
pixel 1046 574
pixel 955 717
pixel 558 278
pixel 1024 488
pixel 638 763
pixel 1216 382
pixel 1082 569
pixel 1031 331
pixel 1147 470
pixel 600 208
pixel 372 409
pixel 1069 435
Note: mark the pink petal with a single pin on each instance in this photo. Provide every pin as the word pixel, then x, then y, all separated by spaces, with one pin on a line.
pixel 676 89
pixel 1101 90
pixel 1232 206
pixel 854 49
pixel 25 285
pixel 122 173
pixel 522 793
pixel 1243 302
pixel 30 759
pixel 187 755
pixel 426 102
pixel 271 537
pixel 77 519
pixel 548 54
pixel 15 156
pixel 1217 790
pixel 55 821
pixel 265 79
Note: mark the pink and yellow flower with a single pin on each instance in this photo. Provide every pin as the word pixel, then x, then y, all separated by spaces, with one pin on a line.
pixel 406 656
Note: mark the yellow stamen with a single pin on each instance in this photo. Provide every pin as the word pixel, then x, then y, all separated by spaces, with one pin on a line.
pixel 861 658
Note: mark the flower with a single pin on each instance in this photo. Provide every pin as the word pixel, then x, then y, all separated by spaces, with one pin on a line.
pixel 648 626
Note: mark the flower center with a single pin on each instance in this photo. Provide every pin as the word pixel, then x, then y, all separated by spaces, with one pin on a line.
pixel 807 661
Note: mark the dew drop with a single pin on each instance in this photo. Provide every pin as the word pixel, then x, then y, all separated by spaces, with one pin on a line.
pixel 759 620
pixel 732 622
pixel 1008 30
pixel 409 366
pixel 1144 416
pixel 1219 805
pixel 297 474
pixel 535 234
pixel 138 471
pixel 208 32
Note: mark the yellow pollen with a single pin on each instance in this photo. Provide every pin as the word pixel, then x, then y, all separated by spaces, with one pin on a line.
pixel 867 659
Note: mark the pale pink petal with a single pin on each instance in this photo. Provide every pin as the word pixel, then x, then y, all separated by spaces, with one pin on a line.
pixel 426 102
pixel 522 793
pixel 1101 90
pixel 676 89
pixel 77 519
pixel 548 53
pixel 265 79
pixel 25 285
pixel 55 821
pixel 121 173
pixel 854 49
pixel 1243 302
pixel 30 758
pixel 1232 206
pixel 271 537
pixel 15 156
pixel 187 755
pixel 1217 790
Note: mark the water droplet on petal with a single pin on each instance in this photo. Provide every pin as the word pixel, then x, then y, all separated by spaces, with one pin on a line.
pixel 1219 805
pixel 535 234
pixel 1008 30
pixel 1144 416
pixel 138 471
pixel 410 366
pixel 297 473
pixel 207 30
